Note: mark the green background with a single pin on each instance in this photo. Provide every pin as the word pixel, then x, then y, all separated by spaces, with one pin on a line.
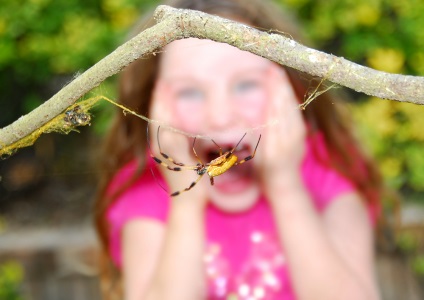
pixel 46 43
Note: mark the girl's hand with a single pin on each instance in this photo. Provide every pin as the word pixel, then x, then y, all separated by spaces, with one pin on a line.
pixel 179 148
pixel 282 147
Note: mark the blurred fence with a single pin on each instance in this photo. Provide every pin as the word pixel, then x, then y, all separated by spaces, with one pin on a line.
pixel 396 279
pixel 58 264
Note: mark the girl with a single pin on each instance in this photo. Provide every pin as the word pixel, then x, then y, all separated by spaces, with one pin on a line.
pixel 293 222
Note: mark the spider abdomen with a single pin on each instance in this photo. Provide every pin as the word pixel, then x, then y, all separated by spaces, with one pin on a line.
pixel 221 165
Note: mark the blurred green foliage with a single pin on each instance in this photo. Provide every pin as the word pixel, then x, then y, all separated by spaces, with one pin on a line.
pixel 383 34
pixel 418 265
pixel 407 242
pixel 411 243
pixel 386 35
pixel 11 277
pixel 394 133
pixel 45 43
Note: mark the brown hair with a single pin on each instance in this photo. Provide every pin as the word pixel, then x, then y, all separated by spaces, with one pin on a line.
pixel 126 139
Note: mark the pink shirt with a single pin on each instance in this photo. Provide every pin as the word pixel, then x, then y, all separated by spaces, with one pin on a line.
pixel 243 256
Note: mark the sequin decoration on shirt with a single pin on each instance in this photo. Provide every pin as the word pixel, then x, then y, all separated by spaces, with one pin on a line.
pixel 259 277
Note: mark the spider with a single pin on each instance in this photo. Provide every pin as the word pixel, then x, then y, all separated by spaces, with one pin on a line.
pixel 76 117
pixel 214 168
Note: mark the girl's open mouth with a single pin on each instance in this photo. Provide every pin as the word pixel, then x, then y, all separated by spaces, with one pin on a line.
pixel 239 176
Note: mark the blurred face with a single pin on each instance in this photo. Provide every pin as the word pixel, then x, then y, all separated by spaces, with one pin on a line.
pixel 217 90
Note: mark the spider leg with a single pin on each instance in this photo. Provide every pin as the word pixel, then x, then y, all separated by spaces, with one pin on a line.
pixel 195 153
pixel 166 156
pixel 250 156
pixel 159 161
pixel 212 181
pixel 174 194
pixel 220 149
pixel 235 147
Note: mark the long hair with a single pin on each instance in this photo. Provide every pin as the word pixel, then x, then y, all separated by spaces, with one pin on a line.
pixel 126 139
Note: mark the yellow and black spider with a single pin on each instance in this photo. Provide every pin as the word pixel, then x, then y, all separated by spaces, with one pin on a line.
pixel 215 167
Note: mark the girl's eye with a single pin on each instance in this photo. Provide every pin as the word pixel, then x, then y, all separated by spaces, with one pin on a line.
pixel 245 86
pixel 190 94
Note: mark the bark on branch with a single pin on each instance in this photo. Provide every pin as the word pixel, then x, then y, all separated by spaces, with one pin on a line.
pixel 173 24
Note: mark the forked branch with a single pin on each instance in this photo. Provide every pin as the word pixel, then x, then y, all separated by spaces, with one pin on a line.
pixel 173 24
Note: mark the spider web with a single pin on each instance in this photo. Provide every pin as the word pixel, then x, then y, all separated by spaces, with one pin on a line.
pixel 79 114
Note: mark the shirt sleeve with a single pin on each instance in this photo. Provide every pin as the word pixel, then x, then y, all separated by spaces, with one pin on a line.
pixel 143 199
pixel 323 182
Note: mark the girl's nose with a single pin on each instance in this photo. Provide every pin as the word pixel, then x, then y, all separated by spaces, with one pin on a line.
pixel 220 111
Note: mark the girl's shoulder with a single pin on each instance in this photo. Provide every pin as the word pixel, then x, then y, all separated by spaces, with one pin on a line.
pixel 323 182
pixel 143 197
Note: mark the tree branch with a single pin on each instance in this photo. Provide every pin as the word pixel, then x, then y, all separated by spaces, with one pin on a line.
pixel 173 24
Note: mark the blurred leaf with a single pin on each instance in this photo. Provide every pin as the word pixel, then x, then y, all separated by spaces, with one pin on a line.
pixel 407 242
pixel 415 162
pixel 418 264
pixel 11 276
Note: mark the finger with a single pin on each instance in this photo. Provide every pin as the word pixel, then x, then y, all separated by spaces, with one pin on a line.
pixel 287 128
pixel 172 150
pixel 174 147
pixel 287 103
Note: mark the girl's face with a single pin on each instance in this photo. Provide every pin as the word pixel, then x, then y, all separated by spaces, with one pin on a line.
pixel 218 90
